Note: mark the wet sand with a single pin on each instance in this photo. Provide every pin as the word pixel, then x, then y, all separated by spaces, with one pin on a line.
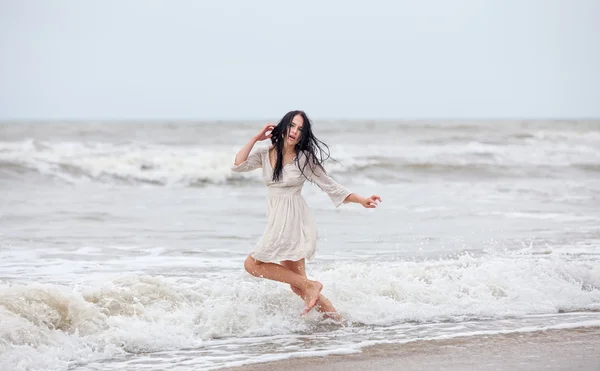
pixel 574 349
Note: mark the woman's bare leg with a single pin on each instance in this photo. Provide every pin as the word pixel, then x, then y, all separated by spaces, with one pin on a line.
pixel 323 304
pixel 276 272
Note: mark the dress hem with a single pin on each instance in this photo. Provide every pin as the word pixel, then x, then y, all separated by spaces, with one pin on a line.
pixel 277 260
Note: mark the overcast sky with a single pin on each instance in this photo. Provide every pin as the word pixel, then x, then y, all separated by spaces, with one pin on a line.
pixel 257 59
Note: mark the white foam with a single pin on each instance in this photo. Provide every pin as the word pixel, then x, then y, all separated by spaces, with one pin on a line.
pixel 126 163
pixel 49 324
pixel 173 165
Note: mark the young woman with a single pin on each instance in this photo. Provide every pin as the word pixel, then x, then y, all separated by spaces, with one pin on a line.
pixel 290 237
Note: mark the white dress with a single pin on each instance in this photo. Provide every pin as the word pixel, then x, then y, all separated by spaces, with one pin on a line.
pixel 291 232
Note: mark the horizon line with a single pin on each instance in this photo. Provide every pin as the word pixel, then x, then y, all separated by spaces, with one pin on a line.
pixel 345 119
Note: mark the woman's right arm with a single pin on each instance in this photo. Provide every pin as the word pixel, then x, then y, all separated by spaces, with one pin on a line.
pixel 243 153
pixel 245 159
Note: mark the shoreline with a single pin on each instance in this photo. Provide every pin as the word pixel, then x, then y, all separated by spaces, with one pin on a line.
pixel 560 349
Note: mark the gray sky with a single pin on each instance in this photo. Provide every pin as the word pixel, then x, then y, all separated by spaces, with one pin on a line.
pixel 335 59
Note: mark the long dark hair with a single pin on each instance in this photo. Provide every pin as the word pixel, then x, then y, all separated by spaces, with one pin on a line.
pixel 315 150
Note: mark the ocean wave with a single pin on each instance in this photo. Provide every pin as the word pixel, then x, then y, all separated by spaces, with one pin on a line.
pixel 188 165
pixel 54 326
pixel 133 163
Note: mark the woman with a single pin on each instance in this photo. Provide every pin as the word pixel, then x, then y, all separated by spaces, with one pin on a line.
pixel 290 237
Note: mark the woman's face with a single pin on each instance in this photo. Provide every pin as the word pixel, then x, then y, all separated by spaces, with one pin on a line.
pixel 295 130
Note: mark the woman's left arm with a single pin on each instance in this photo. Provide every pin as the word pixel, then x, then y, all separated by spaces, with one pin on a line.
pixel 338 193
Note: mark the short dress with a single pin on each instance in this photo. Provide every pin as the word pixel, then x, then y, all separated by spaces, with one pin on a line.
pixel 291 232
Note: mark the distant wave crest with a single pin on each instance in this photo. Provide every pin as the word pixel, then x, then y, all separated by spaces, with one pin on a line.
pixel 188 165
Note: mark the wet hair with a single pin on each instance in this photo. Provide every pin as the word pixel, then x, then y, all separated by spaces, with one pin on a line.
pixel 316 151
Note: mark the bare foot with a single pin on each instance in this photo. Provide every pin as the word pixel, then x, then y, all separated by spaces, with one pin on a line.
pixel 324 305
pixel 335 316
pixel 311 296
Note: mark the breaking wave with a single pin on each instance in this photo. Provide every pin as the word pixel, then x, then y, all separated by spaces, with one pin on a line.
pixel 187 165
pixel 55 326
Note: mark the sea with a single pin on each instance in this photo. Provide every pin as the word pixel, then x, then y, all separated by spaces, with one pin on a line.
pixel 122 242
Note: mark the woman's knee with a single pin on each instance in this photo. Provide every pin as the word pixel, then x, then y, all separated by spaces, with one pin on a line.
pixel 250 264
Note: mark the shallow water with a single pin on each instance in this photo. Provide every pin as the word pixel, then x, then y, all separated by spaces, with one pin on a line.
pixel 122 244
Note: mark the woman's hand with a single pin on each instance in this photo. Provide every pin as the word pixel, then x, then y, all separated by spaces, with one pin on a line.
pixel 370 202
pixel 262 134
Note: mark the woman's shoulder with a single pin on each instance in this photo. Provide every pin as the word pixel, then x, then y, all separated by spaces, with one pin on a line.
pixel 302 154
pixel 305 160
